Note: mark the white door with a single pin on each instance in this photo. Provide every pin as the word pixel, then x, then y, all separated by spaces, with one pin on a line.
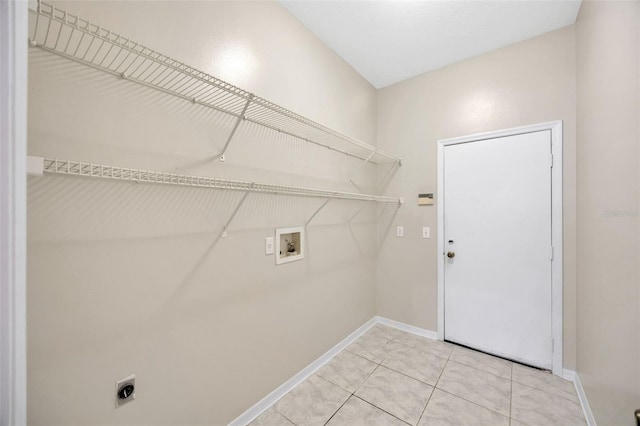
pixel 497 227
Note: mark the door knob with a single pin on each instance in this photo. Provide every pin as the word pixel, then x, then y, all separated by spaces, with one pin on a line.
pixel 451 255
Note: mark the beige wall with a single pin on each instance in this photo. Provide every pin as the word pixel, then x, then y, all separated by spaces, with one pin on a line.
pixel 526 83
pixel 607 156
pixel 133 278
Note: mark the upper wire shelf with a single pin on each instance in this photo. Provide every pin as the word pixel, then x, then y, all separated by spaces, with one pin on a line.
pixel 74 38
pixel 78 168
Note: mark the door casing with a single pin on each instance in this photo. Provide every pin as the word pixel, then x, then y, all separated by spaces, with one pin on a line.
pixel 556 226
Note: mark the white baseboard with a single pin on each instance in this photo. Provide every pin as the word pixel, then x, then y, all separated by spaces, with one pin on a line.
pixel 582 396
pixel 266 402
pixel 408 328
pixel 569 375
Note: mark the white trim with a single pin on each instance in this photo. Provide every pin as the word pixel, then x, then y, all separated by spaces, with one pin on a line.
pixel 557 282
pixel 13 145
pixel 556 226
pixel 440 247
pixel 582 396
pixel 569 375
pixel 283 389
pixel 408 328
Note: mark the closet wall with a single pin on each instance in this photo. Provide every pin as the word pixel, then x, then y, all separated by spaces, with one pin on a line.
pixel 133 278
pixel 529 82
pixel 608 110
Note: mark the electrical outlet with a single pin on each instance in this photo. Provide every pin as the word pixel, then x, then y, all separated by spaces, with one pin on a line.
pixel 125 390
pixel 400 231
pixel 426 232
pixel 268 245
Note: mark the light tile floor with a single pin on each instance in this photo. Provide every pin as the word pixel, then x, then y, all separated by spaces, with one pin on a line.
pixel 389 377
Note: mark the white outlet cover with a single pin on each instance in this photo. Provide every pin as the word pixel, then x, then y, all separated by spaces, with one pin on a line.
pixel 268 246
pixel 400 231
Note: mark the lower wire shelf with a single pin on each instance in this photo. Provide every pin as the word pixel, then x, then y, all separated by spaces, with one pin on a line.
pixel 39 165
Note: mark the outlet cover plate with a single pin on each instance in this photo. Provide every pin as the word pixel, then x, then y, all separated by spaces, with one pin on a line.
pixel 268 245
pixel 127 380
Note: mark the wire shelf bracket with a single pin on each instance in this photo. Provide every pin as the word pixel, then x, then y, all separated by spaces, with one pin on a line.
pixel 224 232
pixel 357 170
pixel 90 170
pixel 239 120
pixel 317 211
pixel 352 218
pixel 79 40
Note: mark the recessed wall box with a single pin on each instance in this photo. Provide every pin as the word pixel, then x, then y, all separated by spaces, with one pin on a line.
pixel 289 244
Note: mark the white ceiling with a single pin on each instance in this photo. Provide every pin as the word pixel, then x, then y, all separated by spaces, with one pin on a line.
pixel 389 41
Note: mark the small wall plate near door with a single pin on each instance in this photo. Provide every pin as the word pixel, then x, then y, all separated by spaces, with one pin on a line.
pixel 426 232
pixel 125 390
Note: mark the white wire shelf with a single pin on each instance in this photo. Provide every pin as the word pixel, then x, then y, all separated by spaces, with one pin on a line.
pixel 79 40
pixel 78 168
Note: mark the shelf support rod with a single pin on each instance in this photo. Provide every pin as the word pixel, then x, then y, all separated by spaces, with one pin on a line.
pixel 239 120
pixel 317 211
pixel 226 225
pixel 386 179
pixel 355 215
pixel 356 171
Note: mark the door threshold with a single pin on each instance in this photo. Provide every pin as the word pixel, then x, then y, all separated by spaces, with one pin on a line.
pixel 498 356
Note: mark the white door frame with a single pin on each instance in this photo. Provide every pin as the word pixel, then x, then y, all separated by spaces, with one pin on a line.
pixel 556 226
pixel 13 190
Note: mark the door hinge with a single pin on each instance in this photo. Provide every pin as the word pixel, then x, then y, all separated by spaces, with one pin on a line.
pixel 551 252
pixel 553 345
pixel 551 160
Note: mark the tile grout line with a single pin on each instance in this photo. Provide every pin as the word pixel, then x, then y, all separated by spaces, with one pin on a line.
pixel 427 352
pixel 353 394
pixel 367 378
pixel 432 392
pixel 546 386
pixel 464 399
pixel 478 369
pixel 471 402
pixel 548 393
pixel 435 386
pixel 370 403
pixel 339 408
pixel 411 377
pixel 580 410
pixel 382 409
pixel 276 410
pixel 480 361
pixel 398 372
